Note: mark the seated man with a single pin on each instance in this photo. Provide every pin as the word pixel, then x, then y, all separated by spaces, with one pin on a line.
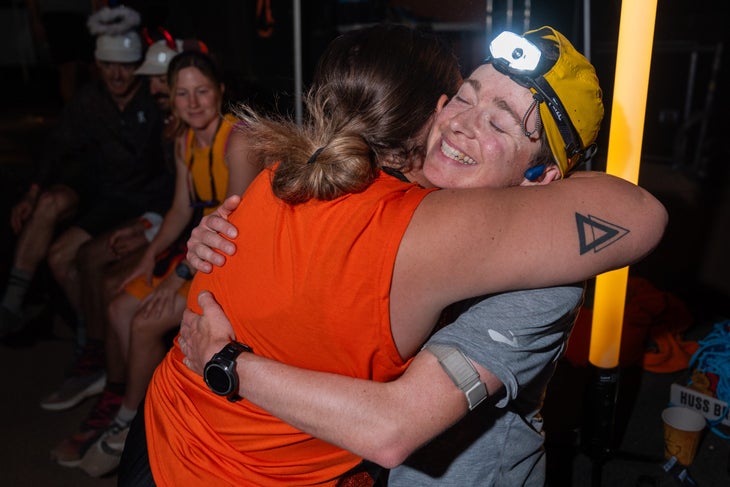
pixel 101 167
pixel 103 262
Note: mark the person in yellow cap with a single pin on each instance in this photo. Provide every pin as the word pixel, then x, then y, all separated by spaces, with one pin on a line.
pixel 513 339
pixel 478 139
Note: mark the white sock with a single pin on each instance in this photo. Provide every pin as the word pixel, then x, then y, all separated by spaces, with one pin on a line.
pixel 125 415
pixel 18 284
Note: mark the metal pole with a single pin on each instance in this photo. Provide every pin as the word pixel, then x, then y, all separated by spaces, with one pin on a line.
pixel 587 29
pixel 298 60
pixel 489 19
pixel 509 14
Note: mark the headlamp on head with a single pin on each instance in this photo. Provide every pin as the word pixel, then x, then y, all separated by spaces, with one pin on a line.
pixel 514 53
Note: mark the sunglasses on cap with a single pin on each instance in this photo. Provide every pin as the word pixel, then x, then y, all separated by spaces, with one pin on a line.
pixel 526 64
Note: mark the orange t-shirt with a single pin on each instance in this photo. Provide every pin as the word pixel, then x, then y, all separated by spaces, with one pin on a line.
pixel 309 286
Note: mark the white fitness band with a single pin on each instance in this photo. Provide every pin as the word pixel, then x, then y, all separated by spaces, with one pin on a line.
pixel 461 372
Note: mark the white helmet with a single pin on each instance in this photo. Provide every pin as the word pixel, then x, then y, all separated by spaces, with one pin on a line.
pixel 158 57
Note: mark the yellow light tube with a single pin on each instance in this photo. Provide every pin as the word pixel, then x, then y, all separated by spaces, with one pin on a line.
pixel 633 60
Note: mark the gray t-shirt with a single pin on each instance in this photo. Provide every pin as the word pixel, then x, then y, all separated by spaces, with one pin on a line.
pixel 518 336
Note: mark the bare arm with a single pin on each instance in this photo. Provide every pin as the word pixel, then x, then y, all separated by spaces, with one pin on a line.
pixel 578 228
pixel 362 416
pixel 386 422
pixel 242 167
pixel 463 243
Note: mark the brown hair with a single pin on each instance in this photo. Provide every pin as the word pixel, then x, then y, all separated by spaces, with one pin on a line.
pixel 374 91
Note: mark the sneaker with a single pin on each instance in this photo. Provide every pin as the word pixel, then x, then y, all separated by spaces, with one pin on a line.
pixel 85 379
pixel 104 455
pixel 74 390
pixel 70 451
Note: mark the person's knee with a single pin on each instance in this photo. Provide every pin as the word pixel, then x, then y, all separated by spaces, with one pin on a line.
pixel 62 253
pixel 53 206
pixel 56 258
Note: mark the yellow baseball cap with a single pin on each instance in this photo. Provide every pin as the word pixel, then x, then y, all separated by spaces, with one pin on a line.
pixel 564 83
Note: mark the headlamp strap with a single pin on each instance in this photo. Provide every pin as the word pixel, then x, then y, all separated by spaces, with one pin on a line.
pixel 537 99
pixel 573 145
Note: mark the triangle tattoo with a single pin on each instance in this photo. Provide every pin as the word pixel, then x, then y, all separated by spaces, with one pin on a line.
pixel 596 234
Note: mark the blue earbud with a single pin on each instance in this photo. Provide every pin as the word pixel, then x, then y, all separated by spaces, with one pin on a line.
pixel 534 172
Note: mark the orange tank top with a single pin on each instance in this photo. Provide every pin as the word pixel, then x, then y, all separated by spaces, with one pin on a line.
pixel 309 286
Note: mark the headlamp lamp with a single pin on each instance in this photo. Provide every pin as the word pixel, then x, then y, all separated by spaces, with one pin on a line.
pixel 526 64
pixel 514 53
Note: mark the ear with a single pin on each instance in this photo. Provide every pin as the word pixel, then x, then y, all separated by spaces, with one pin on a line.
pixel 443 99
pixel 223 88
pixel 552 173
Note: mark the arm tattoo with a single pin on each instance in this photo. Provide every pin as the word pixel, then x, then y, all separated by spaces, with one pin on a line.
pixel 596 234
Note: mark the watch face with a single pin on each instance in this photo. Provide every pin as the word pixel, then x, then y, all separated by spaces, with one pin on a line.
pixel 183 271
pixel 218 379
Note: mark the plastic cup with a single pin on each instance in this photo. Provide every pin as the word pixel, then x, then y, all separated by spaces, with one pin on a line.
pixel 682 430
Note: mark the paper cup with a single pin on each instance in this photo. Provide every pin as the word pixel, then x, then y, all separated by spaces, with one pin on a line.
pixel 682 430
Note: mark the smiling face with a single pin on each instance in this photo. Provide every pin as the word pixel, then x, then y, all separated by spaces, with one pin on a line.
pixel 477 138
pixel 119 78
pixel 196 98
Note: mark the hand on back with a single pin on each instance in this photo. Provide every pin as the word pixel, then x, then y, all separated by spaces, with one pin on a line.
pixel 207 245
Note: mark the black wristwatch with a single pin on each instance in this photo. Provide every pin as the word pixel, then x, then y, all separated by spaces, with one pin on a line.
pixel 182 270
pixel 220 372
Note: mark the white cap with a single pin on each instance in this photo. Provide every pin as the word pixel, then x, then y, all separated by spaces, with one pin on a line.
pixel 158 58
pixel 122 48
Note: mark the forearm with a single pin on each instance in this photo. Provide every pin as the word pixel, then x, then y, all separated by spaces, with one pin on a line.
pixel 386 422
pixel 383 422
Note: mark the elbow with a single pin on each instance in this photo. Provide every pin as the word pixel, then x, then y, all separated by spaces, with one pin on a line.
pixel 389 456
pixel 660 219
pixel 389 447
pixel 654 219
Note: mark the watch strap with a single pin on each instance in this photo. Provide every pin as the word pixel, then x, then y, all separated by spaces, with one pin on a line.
pixel 233 349
pixel 461 372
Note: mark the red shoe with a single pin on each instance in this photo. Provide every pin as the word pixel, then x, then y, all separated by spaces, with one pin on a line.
pixel 70 451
